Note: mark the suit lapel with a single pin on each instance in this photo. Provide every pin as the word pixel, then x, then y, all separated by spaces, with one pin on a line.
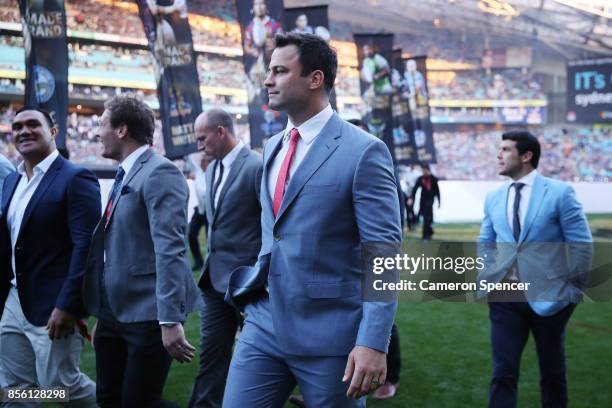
pixel 503 214
pixel 264 194
pixel 9 189
pixel 128 177
pixel 538 192
pixel 209 188
pixel 234 170
pixel 41 189
pixel 323 146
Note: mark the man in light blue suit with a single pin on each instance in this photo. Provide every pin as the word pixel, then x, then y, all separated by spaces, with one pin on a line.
pixel 534 232
pixel 327 189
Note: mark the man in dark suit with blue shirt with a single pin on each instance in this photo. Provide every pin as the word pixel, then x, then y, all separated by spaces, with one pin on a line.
pixel 49 210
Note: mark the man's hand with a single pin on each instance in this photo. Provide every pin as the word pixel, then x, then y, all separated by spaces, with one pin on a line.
pixel 176 345
pixel 61 324
pixel 410 201
pixel 367 369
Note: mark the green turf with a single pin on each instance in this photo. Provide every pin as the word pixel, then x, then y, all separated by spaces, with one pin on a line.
pixel 446 350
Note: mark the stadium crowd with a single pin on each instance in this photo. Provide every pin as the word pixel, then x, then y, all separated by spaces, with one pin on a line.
pixel 506 84
pixel 580 154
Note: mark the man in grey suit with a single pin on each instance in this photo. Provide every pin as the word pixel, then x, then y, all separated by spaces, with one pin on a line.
pixel 138 281
pixel 234 239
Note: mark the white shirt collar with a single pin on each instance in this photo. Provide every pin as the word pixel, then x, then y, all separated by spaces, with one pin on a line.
pixel 43 166
pixel 129 161
pixel 229 158
pixel 310 129
pixel 527 179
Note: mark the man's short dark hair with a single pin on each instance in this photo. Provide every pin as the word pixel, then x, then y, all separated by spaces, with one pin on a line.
pixel 219 117
pixel 45 113
pixel 134 114
pixel 315 54
pixel 525 142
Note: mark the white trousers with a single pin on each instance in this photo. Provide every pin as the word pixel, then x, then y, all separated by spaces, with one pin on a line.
pixel 28 358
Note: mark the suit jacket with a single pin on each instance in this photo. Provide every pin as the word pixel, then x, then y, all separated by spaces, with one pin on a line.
pixel 52 245
pixel 234 230
pixel 342 195
pixel 6 168
pixel 146 273
pixel 553 252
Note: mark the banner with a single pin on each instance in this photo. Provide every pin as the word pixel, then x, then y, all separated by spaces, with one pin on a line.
pixel 310 20
pixel 46 54
pixel 589 91
pixel 374 51
pixel 414 90
pixel 178 86
pixel 260 21
pixel 405 151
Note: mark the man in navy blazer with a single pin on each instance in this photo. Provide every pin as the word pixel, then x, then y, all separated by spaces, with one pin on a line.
pixel 49 210
pixel 327 189
pixel 540 237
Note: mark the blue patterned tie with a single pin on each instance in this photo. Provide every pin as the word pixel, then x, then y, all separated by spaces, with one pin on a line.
pixel 115 191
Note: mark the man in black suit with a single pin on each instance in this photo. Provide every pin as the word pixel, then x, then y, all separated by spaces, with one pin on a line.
pixel 49 210
pixel 234 239
pixel 428 183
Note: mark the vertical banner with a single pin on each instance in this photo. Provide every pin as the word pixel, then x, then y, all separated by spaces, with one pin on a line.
pixel 414 90
pixel 260 21
pixel 46 54
pixel 403 128
pixel 178 87
pixel 310 20
pixel 374 51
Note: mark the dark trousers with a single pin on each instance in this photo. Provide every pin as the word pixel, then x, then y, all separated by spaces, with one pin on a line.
pixel 218 324
pixel 411 219
pixel 427 214
pixel 131 364
pixel 197 222
pixel 511 323
pixel 394 358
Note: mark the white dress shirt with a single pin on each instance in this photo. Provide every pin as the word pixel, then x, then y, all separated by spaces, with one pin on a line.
pixel 227 162
pixel 526 190
pixel 309 131
pixel 21 198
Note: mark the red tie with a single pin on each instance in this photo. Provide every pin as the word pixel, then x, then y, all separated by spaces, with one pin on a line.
pixel 279 191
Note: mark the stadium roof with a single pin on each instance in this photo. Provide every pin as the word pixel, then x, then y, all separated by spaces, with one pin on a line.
pixel 574 28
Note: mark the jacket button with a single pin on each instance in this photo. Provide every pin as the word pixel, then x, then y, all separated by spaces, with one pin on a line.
pixel 18 248
pixel 277 238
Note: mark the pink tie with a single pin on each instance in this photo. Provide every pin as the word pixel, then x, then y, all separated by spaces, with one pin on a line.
pixel 279 191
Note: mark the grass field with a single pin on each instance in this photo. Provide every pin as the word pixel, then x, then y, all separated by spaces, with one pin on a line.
pixel 446 349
